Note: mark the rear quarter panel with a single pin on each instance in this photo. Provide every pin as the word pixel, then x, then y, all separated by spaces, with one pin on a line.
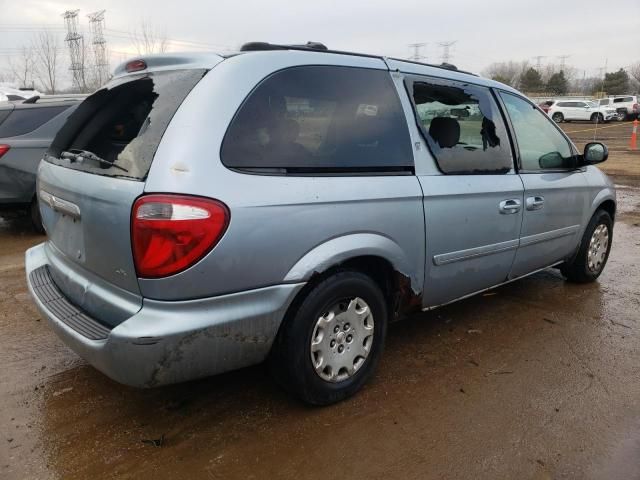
pixel 283 228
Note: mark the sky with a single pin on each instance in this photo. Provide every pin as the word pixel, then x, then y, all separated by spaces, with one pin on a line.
pixel 484 31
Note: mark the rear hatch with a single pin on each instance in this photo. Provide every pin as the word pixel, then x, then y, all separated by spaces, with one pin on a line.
pixel 94 171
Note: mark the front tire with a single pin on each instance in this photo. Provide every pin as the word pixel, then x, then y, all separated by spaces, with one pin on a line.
pixel 331 341
pixel 593 252
pixel 557 117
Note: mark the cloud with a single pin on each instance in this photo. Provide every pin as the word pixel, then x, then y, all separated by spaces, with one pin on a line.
pixel 486 32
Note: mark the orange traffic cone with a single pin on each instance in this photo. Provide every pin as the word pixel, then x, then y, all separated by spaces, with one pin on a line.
pixel 634 136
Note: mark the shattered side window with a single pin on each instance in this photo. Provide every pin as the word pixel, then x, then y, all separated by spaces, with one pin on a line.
pixel 463 127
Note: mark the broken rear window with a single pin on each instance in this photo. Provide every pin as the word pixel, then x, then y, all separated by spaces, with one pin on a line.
pixel 123 123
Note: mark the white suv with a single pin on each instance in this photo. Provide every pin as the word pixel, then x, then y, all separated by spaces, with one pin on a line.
pixel 567 110
pixel 627 106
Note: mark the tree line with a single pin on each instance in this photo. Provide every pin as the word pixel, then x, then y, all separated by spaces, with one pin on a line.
pixel 555 80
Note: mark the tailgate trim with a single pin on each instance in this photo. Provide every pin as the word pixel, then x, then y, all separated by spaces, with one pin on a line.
pixel 60 205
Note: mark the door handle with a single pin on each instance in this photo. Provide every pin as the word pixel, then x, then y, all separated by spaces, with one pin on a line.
pixel 534 203
pixel 510 206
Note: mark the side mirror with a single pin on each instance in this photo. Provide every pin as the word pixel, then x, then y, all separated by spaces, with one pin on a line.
pixel 595 152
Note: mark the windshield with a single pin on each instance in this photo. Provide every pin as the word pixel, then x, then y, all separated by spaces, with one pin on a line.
pixel 123 123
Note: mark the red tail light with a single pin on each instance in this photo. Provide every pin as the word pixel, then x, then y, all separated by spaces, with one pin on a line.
pixel 170 233
pixel 4 149
pixel 135 66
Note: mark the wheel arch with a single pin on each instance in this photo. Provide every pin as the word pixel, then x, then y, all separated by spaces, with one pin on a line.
pixel 605 200
pixel 375 255
pixel 608 206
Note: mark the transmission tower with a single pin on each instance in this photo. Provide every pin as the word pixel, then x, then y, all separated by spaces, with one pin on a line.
pixel 446 49
pixel 76 48
pixel 539 61
pixel 563 60
pixel 416 51
pixel 97 26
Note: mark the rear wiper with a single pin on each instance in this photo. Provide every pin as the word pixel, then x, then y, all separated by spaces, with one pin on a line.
pixel 77 155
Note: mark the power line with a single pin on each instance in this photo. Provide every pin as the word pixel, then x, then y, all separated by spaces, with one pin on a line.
pixel 446 48
pixel 97 25
pixel 417 47
pixel 539 61
pixel 75 41
pixel 109 33
pixel 563 59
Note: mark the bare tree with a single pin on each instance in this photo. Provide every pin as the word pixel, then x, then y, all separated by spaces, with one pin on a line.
pixel 506 72
pixel 149 39
pixel 46 46
pixel 22 68
pixel 634 71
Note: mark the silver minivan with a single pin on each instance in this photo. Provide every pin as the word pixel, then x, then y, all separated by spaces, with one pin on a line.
pixel 285 203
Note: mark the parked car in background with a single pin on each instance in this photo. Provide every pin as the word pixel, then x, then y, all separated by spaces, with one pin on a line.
pixel 544 106
pixel 18 94
pixel 26 131
pixel 568 110
pixel 206 213
pixel 626 106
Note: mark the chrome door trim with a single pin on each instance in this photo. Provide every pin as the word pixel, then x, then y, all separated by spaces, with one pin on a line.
pixel 510 206
pixel 457 256
pixel 550 235
pixel 60 205
pixel 534 203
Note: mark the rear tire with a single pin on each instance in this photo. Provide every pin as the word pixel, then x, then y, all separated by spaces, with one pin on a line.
pixel 597 118
pixel 327 347
pixel 34 214
pixel 557 117
pixel 593 252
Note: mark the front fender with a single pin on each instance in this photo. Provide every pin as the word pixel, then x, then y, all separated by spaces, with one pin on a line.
pixel 339 249
pixel 602 196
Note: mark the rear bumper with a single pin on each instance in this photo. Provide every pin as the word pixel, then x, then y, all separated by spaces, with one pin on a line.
pixel 166 342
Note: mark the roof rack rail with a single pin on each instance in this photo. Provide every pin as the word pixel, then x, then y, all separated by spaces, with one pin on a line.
pixel 321 47
pixel 444 65
pixel 259 46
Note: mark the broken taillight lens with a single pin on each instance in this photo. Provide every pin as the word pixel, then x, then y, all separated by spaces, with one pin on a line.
pixel 170 233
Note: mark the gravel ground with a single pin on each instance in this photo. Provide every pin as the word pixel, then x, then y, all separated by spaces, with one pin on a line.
pixel 536 379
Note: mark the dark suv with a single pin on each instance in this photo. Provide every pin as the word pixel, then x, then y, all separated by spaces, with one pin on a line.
pixel 26 131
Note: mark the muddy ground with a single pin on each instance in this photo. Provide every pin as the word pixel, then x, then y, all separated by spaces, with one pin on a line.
pixel 538 379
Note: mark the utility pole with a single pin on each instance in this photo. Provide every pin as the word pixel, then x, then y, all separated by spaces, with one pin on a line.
pixel 96 26
pixel 446 47
pixel 75 41
pixel 416 51
pixel 539 61
pixel 603 73
pixel 563 60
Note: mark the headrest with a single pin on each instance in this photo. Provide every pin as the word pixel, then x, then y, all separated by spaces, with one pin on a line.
pixel 445 131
